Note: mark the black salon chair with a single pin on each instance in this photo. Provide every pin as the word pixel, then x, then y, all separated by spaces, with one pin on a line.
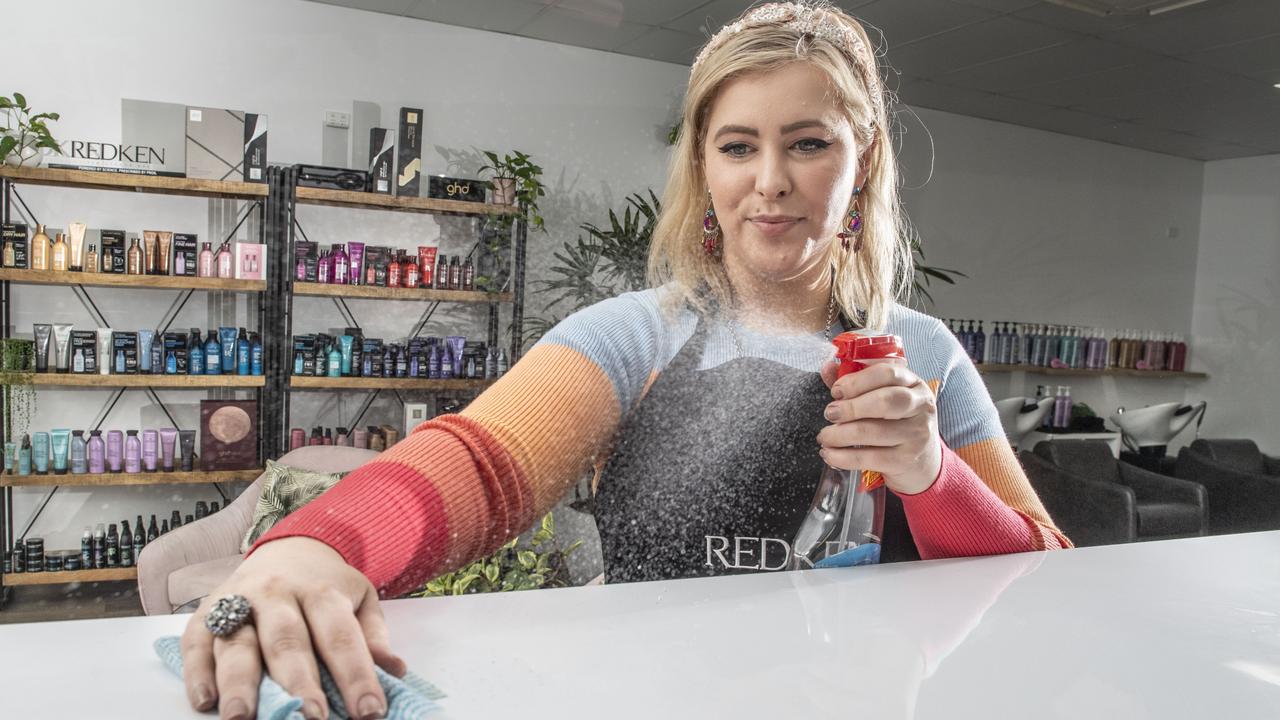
pixel 1089 512
pixel 1167 507
pixel 1243 483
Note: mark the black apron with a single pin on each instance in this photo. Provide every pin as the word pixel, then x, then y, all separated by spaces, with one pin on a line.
pixel 714 470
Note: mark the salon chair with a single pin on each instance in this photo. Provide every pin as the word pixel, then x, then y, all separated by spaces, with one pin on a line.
pixel 178 569
pixel 1243 483
pixel 1166 507
pixel 1089 512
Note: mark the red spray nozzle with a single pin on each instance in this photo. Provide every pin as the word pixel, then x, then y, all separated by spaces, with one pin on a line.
pixel 855 351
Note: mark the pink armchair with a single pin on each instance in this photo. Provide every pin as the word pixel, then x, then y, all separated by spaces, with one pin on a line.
pixel 188 563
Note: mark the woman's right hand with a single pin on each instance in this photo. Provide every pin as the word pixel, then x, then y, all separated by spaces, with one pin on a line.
pixel 308 603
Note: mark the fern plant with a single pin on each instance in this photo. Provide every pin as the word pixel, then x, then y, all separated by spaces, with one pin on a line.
pixel 608 261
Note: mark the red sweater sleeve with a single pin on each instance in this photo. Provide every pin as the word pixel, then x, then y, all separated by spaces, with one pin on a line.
pixel 959 516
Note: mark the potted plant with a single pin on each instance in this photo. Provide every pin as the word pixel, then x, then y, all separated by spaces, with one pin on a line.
pixel 24 135
pixel 538 562
pixel 516 180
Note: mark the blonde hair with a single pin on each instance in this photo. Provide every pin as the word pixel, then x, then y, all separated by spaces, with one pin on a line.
pixel 865 283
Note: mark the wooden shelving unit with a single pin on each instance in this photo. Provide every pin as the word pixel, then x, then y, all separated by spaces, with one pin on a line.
pixel 1083 372
pixel 70 576
pixel 375 201
pixel 152 282
pixel 309 382
pixel 153 381
pixel 373 292
pixel 136 183
pixel 197 477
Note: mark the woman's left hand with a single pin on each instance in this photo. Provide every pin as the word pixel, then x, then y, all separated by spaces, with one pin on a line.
pixel 884 418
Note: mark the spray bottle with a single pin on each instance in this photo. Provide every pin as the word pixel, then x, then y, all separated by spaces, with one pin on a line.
pixel 845 521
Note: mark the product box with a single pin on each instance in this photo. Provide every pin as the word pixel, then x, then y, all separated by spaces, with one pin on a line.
pixel 175 344
pixel 371 360
pixel 409 153
pixel 376 258
pixel 382 150
pixel 152 139
pixel 449 188
pixel 251 261
pixel 113 251
pixel 307 254
pixel 16 233
pixel 357 349
pixel 226 145
pixel 124 353
pixel 306 345
pixel 186 254
pixel 415 413
pixel 228 434
pixel 84 351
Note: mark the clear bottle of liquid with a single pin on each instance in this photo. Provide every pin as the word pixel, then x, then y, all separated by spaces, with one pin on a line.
pixel 846 518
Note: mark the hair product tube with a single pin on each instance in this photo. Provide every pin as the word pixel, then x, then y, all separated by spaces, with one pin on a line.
pixel 168 438
pixel 62 346
pixel 227 336
pixel 76 231
pixel 61 439
pixel 104 351
pixel 44 333
pixel 166 253
pixel 145 338
pixel 187 440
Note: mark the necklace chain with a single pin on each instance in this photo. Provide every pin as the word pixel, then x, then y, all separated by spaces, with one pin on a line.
pixel 831 311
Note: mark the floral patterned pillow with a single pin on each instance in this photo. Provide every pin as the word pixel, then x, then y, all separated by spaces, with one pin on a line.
pixel 284 489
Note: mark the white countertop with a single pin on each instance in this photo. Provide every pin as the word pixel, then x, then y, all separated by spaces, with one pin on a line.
pixel 1173 629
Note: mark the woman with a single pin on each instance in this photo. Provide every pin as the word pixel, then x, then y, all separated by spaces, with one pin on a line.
pixel 701 397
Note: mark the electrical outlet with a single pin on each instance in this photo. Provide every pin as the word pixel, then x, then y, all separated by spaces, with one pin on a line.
pixel 337 119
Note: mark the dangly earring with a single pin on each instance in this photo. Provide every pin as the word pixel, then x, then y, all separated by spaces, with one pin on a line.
pixel 710 229
pixel 852 225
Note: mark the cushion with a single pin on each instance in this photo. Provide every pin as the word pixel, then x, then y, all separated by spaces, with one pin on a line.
pixel 193 582
pixel 1162 519
pixel 1242 455
pixel 284 489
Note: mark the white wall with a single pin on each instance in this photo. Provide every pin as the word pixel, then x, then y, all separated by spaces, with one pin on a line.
pixel 1056 229
pixel 1236 319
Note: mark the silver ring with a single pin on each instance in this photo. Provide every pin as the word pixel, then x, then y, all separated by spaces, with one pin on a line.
pixel 228 615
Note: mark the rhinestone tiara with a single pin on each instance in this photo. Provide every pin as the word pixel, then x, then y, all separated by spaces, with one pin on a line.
pixel 813 20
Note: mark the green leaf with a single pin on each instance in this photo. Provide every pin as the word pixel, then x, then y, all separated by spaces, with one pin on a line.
pixel 5 103
pixel 528 560
pixel 7 145
pixel 549 523
pixel 577 544
pixel 491 574
pixel 20 100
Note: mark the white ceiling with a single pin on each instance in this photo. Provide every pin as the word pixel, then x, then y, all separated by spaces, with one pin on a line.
pixel 1195 81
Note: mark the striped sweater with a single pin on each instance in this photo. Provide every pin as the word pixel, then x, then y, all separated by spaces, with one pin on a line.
pixel 461 485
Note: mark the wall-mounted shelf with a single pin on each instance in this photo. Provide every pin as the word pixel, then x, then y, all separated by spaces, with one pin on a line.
pixel 309 382
pixel 374 292
pixel 115 381
pixel 153 282
pixel 1120 372
pixel 113 479
pixel 58 577
pixel 375 201
pixel 137 183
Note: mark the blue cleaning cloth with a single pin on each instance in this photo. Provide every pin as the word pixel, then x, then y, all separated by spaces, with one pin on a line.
pixel 864 554
pixel 407 697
